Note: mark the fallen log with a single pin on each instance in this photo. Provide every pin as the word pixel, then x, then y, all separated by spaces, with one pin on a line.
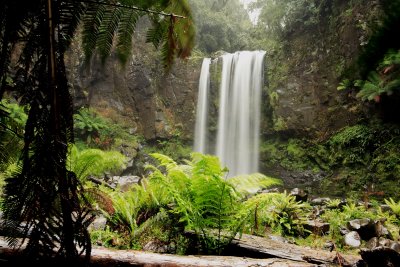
pixel 103 257
pixel 269 247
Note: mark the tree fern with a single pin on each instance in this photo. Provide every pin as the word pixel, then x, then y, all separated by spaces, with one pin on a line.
pixel 172 28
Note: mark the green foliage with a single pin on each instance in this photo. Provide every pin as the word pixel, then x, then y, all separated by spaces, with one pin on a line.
pixel 94 162
pixel 107 238
pixel 279 17
pixel 220 27
pixel 88 124
pixel 105 26
pixel 352 159
pixel 345 84
pixel 12 124
pixel 251 183
pixel 333 203
pixel 375 86
pixel 173 147
pixel 194 196
pixel 208 202
pixel 351 144
pixel 292 154
pixel 382 81
pixel 338 218
pixel 394 206
pixel 279 211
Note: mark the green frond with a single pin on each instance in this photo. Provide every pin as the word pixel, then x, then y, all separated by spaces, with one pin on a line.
pixel 69 15
pixel 94 162
pixel 165 161
pixel 251 183
pixel 206 165
pixel 156 34
pixel 124 35
pixel 107 30
pixel 91 26
pixel 392 86
pixel 158 219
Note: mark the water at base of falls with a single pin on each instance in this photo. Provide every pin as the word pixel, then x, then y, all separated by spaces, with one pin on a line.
pixel 237 138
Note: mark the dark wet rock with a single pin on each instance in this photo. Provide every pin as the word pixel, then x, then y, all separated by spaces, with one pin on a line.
pixel 385 208
pixel 320 201
pixel 364 227
pixel 372 243
pixel 155 247
pixel 299 194
pixel 380 257
pixel 317 227
pixel 318 211
pixel 99 223
pixel 344 231
pixel 381 230
pixel 352 239
pixel 357 224
pixel 368 228
pixel 124 183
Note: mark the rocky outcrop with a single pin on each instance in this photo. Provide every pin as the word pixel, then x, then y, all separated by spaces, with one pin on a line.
pixel 157 104
pixel 304 73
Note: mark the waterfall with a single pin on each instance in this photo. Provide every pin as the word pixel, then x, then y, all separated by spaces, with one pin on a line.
pixel 200 134
pixel 237 139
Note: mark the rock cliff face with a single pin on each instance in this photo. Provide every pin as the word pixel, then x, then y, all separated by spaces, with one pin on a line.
pixel 303 74
pixel 157 104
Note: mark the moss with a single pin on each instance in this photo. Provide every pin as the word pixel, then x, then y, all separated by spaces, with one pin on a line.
pixel 280 124
pixel 355 159
pixel 273 98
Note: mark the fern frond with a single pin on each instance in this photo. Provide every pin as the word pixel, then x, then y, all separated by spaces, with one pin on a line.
pixel 91 26
pixel 101 198
pixel 125 32
pixel 165 161
pixel 158 219
pixel 107 31
pixel 251 183
pixel 94 161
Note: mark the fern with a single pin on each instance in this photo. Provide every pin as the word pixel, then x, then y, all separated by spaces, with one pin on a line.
pixel 204 201
pixel 279 211
pixel 94 162
pixel 251 183
pixel 394 206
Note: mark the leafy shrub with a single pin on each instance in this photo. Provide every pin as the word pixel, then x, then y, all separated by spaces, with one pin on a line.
pixel 94 162
pixel 88 125
pixel 279 211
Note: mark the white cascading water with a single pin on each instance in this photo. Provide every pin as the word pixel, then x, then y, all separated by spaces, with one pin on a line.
pixel 200 134
pixel 237 141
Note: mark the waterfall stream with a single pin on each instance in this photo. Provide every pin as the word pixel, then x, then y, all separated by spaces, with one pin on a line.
pixel 238 126
pixel 200 134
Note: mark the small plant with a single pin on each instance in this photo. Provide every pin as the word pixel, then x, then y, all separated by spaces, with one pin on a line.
pixel 88 125
pixel 394 206
pixel 94 162
pixel 280 211
pixel 333 203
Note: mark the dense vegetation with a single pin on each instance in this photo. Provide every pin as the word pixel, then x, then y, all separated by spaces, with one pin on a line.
pixel 183 201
